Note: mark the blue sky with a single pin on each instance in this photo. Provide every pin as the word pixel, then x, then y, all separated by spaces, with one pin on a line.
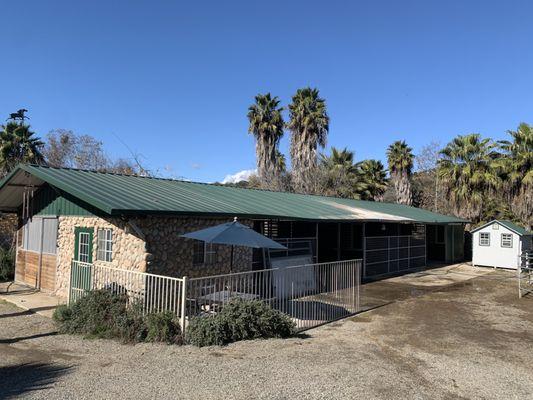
pixel 174 79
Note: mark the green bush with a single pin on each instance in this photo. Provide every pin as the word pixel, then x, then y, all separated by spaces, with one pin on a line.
pixel 163 327
pixel 131 326
pixel 94 315
pixel 7 264
pixel 102 314
pixel 239 320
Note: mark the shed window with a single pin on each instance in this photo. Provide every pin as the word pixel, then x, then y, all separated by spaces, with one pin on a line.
pixel 484 239
pixel 507 240
pixel 105 245
pixel 204 253
pixel 31 237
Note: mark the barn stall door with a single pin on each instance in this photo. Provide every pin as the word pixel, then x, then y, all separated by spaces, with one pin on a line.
pixel 387 255
pixel 36 265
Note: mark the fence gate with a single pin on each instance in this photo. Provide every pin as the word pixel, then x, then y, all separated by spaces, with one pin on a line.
pixel 81 280
pixel 384 255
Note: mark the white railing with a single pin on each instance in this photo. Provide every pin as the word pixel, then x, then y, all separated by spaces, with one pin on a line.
pixel 525 273
pixel 154 293
pixel 311 294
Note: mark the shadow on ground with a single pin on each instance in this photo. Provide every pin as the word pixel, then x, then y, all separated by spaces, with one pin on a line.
pixel 21 338
pixel 23 378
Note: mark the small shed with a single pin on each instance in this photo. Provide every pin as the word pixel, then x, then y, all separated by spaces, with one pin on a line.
pixel 499 244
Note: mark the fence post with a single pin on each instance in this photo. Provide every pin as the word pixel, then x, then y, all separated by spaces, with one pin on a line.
pixel 183 305
pixel 69 283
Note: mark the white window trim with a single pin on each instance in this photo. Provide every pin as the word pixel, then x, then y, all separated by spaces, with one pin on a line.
pixel 102 245
pixel 510 240
pixel 83 234
pixel 482 240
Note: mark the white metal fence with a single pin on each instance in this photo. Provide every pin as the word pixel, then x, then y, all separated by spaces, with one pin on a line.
pixel 311 294
pixel 525 273
pixel 155 293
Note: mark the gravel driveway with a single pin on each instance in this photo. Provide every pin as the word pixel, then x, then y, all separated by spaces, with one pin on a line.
pixel 467 340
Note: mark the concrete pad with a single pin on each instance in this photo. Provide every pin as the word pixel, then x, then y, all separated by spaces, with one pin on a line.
pixel 442 276
pixel 386 291
pixel 29 298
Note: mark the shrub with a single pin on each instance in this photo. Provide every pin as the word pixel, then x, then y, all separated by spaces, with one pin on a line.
pixel 163 327
pixel 102 314
pixel 7 264
pixel 95 315
pixel 131 326
pixel 239 320
pixel 62 313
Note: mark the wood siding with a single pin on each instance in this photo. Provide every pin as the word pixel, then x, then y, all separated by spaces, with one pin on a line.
pixel 27 269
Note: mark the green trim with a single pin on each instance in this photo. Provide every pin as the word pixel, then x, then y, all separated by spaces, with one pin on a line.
pixel 52 201
pixel 77 231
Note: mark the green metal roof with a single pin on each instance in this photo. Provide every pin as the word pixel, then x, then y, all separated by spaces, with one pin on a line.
pixel 117 194
pixel 520 230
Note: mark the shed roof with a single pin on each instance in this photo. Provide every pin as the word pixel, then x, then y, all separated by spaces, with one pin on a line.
pixel 117 194
pixel 519 230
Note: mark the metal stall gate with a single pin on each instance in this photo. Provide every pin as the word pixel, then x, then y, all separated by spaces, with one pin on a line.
pixel 387 255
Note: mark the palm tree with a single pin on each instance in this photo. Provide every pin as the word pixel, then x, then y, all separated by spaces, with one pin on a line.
pixel 266 124
pixel 372 180
pixel 281 164
pixel 309 125
pixel 400 158
pixel 336 175
pixel 18 144
pixel 468 171
pixel 338 160
pixel 517 167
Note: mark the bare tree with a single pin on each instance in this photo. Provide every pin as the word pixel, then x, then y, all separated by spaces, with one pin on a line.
pixel 64 148
pixel 425 179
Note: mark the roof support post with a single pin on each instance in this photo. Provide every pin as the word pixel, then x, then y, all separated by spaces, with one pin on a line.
pixel 338 241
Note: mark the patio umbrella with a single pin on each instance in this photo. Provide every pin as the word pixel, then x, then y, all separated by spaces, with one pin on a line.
pixel 234 234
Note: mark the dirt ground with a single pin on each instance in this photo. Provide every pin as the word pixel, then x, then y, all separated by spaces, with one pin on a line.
pixel 440 334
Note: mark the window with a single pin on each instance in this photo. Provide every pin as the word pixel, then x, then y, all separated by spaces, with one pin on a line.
pixel 83 247
pixel 495 226
pixel 204 253
pixel 32 239
pixel 198 252
pixel 507 240
pixel 105 245
pixel 484 239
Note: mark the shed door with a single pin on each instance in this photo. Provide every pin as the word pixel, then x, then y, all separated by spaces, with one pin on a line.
pixel 83 245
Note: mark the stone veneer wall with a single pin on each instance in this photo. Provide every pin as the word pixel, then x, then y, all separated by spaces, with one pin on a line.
pixel 129 250
pixel 172 255
pixel 157 249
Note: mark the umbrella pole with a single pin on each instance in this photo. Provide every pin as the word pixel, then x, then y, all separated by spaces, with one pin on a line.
pixel 231 260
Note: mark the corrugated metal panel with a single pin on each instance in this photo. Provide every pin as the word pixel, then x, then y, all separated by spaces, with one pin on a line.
pixel 48 201
pixel 49 235
pixel 120 194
